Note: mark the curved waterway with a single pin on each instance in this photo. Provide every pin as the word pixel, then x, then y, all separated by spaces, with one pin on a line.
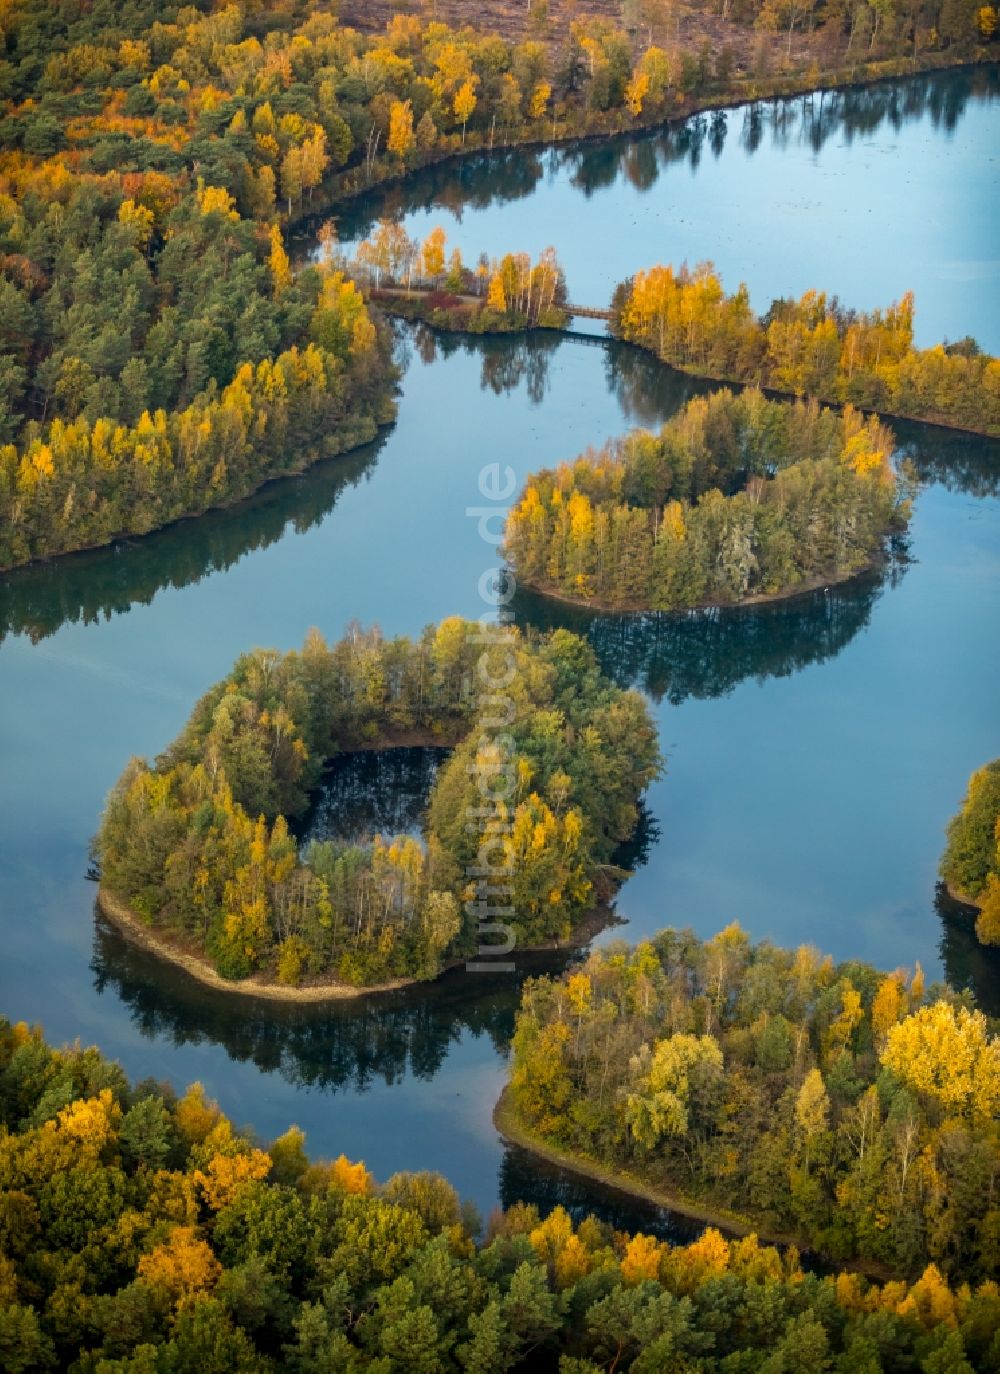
pixel 815 748
pixel 863 193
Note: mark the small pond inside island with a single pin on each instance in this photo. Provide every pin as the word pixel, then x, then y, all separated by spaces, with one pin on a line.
pixel 815 748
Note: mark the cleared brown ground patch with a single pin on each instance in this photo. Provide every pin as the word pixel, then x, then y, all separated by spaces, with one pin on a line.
pixel 697 26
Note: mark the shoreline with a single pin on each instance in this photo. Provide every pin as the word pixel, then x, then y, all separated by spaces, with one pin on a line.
pixel 131 536
pixel 723 379
pixel 963 898
pixel 133 928
pixel 564 331
pixel 512 1131
pixel 121 916
pixel 835 79
pixel 806 588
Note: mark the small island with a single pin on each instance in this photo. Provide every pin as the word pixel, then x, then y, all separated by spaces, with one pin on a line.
pixel 423 281
pixel 736 499
pixel 197 855
pixel 771 1089
pixel 970 865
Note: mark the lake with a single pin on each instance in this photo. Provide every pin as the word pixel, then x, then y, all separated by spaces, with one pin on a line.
pixel 815 749
pixel 862 193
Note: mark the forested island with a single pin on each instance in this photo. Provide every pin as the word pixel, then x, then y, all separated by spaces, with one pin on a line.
pixel 145 1234
pixel 810 347
pixel 423 281
pixel 853 1109
pixel 970 864
pixel 198 846
pixel 737 497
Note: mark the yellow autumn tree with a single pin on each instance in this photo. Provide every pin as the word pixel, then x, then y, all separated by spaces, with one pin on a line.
pixel 658 1105
pixel 947 1054
pixel 693 1264
pixel 573 1263
pixel 216 200
pixel 930 1301
pixel 635 92
pixel 465 102
pixel 888 1006
pixel 539 99
pixel 348 1177
pixel 196 1115
pixel 496 298
pixel 281 271
pixel 401 137
pixel 138 220
pixel 550 1236
pixel 432 252
pixel 812 1111
pixel 843 1025
pixel 90 1123
pixel 641 1260
pixel 225 1174
pixel 673 525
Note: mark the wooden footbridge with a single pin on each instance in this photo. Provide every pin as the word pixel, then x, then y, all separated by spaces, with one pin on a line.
pixel 588 312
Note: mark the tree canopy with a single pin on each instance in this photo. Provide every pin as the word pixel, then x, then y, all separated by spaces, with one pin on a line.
pixel 809 347
pixel 856 1110
pixel 970 864
pixel 141 1233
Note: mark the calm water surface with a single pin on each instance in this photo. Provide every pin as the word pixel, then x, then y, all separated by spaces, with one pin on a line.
pixel 815 749
pixel 864 194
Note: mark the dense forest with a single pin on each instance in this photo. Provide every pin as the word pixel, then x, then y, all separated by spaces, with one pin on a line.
pixel 422 280
pixel 736 497
pixel 159 354
pixel 143 1234
pixel 546 776
pixel 857 1110
pixel 809 347
pixel 970 864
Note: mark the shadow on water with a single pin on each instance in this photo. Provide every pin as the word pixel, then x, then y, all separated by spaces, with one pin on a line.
pixel 84 588
pixel 708 653
pixel 340 1045
pixel 967 963
pixel 512 174
pixel 525 1178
